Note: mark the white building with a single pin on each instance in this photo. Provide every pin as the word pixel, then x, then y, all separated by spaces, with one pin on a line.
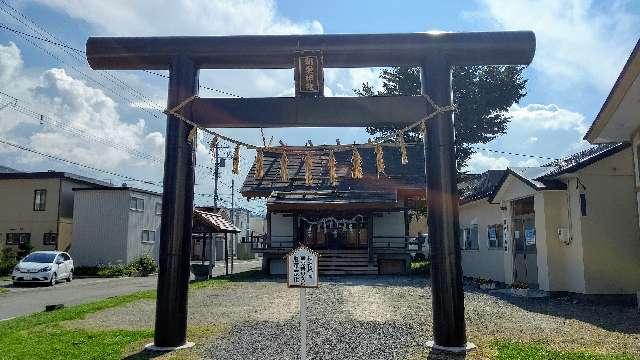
pixel 115 225
pixel 568 226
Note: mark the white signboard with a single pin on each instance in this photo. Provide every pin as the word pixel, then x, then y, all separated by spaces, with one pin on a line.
pixel 302 267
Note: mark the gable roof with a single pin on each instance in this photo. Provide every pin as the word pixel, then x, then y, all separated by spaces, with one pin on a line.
pixel 52 175
pixel 583 159
pixel 6 169
pixel 215 222
pixel 545 177
pixel 397 176
pixel 479 186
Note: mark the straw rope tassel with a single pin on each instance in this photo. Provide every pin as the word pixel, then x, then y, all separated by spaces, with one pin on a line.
pixel 308 166
pixel 259 164
pixel 379 160
pixel 404 158
pixel 356 164
pixel 236 160
pixel 333 178
pixel 284 167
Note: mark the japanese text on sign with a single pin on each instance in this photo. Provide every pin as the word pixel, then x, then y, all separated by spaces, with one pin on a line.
pixel 302 268
pixel 309 76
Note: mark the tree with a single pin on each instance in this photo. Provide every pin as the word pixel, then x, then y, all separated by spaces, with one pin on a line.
pixel 482 95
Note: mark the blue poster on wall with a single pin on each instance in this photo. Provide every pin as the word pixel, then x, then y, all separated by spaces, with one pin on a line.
pixel 492 233
pixel 530 236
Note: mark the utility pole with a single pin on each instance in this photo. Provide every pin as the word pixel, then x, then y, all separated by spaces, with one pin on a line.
pixel 215 178
pixel 233 221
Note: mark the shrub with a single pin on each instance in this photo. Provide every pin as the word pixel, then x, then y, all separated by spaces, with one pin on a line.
pixel 144 265
pixel 8 261
pixel 115 271
pixel 420 267
pixel 419 257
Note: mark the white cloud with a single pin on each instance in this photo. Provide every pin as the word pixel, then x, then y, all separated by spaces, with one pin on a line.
pixel 529 163
pixel 577 44
pixel 184 17
pixel 11 62
pixel 480 162
pixel 546 117
pixel 82 123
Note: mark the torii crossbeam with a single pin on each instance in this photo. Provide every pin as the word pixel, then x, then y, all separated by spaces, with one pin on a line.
pixel 435 54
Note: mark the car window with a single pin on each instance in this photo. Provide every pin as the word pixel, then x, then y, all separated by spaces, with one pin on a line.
pixel 38 257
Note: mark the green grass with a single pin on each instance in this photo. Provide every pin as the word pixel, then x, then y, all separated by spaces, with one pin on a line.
pixel 3 290
pixel 513 350
pixel 42 335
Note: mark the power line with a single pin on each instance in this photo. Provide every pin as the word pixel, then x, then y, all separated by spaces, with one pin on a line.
pixel 200 86
pixel 54 157
pixel 513 153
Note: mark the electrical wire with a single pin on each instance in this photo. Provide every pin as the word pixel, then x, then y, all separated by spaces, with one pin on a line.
pixel 93 168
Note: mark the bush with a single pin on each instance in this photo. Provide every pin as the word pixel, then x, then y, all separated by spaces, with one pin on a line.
pixel 8 261
pixel 419 257
pixel 144 265
pixel 420 267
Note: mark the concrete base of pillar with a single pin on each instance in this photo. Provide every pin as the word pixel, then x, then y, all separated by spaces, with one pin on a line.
pixel 152 347
pixel 462 349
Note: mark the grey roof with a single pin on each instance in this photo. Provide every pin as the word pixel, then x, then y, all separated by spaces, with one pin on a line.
pixel 6 169
pixel 479 186
pixel 582 159
pixel 116 188
pixel 53 175
pixel 398 176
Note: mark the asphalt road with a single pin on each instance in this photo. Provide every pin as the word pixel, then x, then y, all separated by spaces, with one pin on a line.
pixel 33 298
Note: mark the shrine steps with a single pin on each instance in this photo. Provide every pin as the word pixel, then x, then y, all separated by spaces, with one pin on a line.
pixel 346 262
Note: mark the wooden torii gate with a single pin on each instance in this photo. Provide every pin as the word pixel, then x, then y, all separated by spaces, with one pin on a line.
pixel 435 54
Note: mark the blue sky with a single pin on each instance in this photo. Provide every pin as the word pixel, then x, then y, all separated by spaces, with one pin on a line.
pixel 582 45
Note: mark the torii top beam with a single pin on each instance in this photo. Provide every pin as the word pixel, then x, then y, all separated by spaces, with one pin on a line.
pixel 339 51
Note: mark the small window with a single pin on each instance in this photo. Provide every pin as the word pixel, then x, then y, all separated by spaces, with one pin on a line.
pixel 148 236
pixel 18 238
pixel 583 204
pixel 136 204
pixel 39 200
pixel 158 208
pixel 495 236
pixel 471 237
pixel 49 238
pixel 13 238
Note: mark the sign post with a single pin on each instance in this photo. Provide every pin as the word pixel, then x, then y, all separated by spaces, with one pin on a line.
pixel 302 272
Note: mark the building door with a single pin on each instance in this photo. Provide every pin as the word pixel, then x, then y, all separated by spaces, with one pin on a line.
pixel 525 266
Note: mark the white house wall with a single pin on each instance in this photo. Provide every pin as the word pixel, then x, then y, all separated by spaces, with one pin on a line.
pixel 609 231
pixel 281 229
pixel 485 263
pixel 388 230
pixel 100 227
pixel 143 220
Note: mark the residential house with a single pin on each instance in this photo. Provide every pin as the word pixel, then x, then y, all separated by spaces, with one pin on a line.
pixel 37 208
pixel 569 225
pixel 115 225
pixel 481 227
pixel 360 226
pixel 619 117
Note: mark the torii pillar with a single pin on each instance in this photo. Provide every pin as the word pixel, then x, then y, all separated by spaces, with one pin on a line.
pixel 435 54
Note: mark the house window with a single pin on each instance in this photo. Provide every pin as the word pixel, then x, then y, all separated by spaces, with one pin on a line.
pixel 39 200
pixel 158 208
pixel 136 204
pixel 18 238
pixel 583 204
pixel 49 238
pixel 148 236
pixel 470 237
pixel 495 236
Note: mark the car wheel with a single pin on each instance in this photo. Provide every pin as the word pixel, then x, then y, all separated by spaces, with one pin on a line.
pixel 70 277
pixel 53 279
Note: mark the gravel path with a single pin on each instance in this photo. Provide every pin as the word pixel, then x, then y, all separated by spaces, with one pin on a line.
pixel 377 318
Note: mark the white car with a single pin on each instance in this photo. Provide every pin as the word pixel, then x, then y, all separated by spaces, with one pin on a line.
pixel 44 267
